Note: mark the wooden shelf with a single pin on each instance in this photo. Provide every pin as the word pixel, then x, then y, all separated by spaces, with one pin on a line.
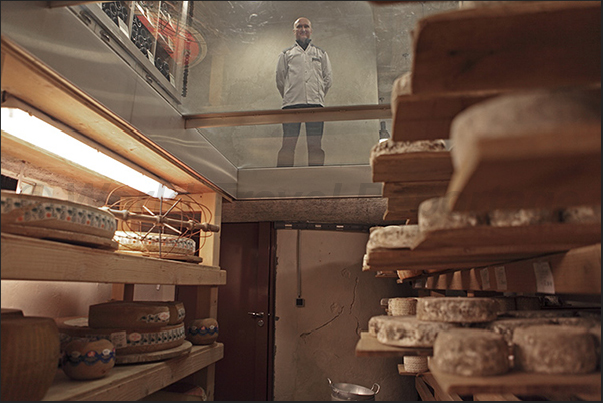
pixel 402 371
pixel 518 383
pixel 458 257
pixel 577 271
pixel 132 382
pixel 412 167
pixel 518 46
pixel 548 170
pixel 428 116
pixel 415 190
pixel 368 346
pixel 541 238
pixel 26 258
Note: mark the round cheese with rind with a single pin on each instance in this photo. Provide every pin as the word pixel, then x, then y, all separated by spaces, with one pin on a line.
pixel 408 331
pixel 471 352
pixel 554 349
pixel 457 309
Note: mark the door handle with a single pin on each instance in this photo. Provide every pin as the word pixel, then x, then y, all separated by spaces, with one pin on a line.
pixel 256 314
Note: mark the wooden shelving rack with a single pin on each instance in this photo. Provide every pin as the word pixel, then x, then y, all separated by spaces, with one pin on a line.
pixel 461 58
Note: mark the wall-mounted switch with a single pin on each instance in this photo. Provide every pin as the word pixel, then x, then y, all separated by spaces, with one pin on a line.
pixel 299 302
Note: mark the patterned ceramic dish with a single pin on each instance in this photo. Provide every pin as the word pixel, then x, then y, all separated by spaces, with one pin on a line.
pixel 55 214
pixel 172 244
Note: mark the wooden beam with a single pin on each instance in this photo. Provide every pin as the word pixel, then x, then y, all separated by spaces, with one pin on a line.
pixel 551 169
pixel 277 116
pixel 517 46
pixel 412 167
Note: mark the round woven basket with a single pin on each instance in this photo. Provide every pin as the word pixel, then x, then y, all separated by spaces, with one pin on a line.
pixel 402 306
pixel 415 364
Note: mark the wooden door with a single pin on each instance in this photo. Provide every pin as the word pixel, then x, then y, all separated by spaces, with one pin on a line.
pixel 247 254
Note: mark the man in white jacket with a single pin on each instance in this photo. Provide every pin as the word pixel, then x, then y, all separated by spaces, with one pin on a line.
pixel 303 78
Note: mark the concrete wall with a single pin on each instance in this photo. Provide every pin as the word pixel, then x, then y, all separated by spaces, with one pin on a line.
pixel 317 341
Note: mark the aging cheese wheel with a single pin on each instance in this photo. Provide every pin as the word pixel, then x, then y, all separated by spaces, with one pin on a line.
pixel 126 340
pixel 457 309
pixel 507 326
pixel 434 214
pixel 128 314
pixel 402 306
pixel 177 311
pixel 408 331
pixel 519 217
pixel 582 214
pixel 391 147
pixel 554 349
pixel 520 115
pixel 471 352
pixel 375 323
pixel 392 236
pixel 30 357
pixel 172 244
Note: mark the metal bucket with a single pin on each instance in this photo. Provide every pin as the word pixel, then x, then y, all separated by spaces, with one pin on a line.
pixel 351 392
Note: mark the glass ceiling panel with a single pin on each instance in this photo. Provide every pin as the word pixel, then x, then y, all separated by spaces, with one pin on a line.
pixel 369 46
pixel 344 143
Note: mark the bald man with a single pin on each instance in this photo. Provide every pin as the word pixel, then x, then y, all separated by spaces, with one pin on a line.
pixel 303 78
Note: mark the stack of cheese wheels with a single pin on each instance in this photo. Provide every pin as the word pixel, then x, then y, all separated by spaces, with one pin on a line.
pixel 402 306
pixel 470 352
pixel 406 331
pixel 134 327
pixel 555 349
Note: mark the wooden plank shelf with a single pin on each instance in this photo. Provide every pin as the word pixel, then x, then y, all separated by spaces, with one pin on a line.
pixel 428 116
pixel 368 346
pixel 517 46
pixel 518 383
pixel 412 167
pixel 459 257
pixel 133 382
pixel 26 258
pixel 543 238
pixel 417 190
pixel 547 170
pixel 577 271
pixel 402 371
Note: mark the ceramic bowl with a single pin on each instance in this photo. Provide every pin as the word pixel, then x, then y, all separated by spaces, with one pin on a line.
pixel 202 331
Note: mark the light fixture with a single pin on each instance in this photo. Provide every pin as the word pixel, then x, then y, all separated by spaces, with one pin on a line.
pixel 31 129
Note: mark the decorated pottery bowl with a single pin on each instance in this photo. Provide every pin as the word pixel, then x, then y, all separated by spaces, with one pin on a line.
pixel 202 331
pixel 54 214
pixel 172 244
pixel 83 359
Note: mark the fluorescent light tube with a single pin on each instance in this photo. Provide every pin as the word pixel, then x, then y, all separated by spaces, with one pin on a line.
pixel 29 128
